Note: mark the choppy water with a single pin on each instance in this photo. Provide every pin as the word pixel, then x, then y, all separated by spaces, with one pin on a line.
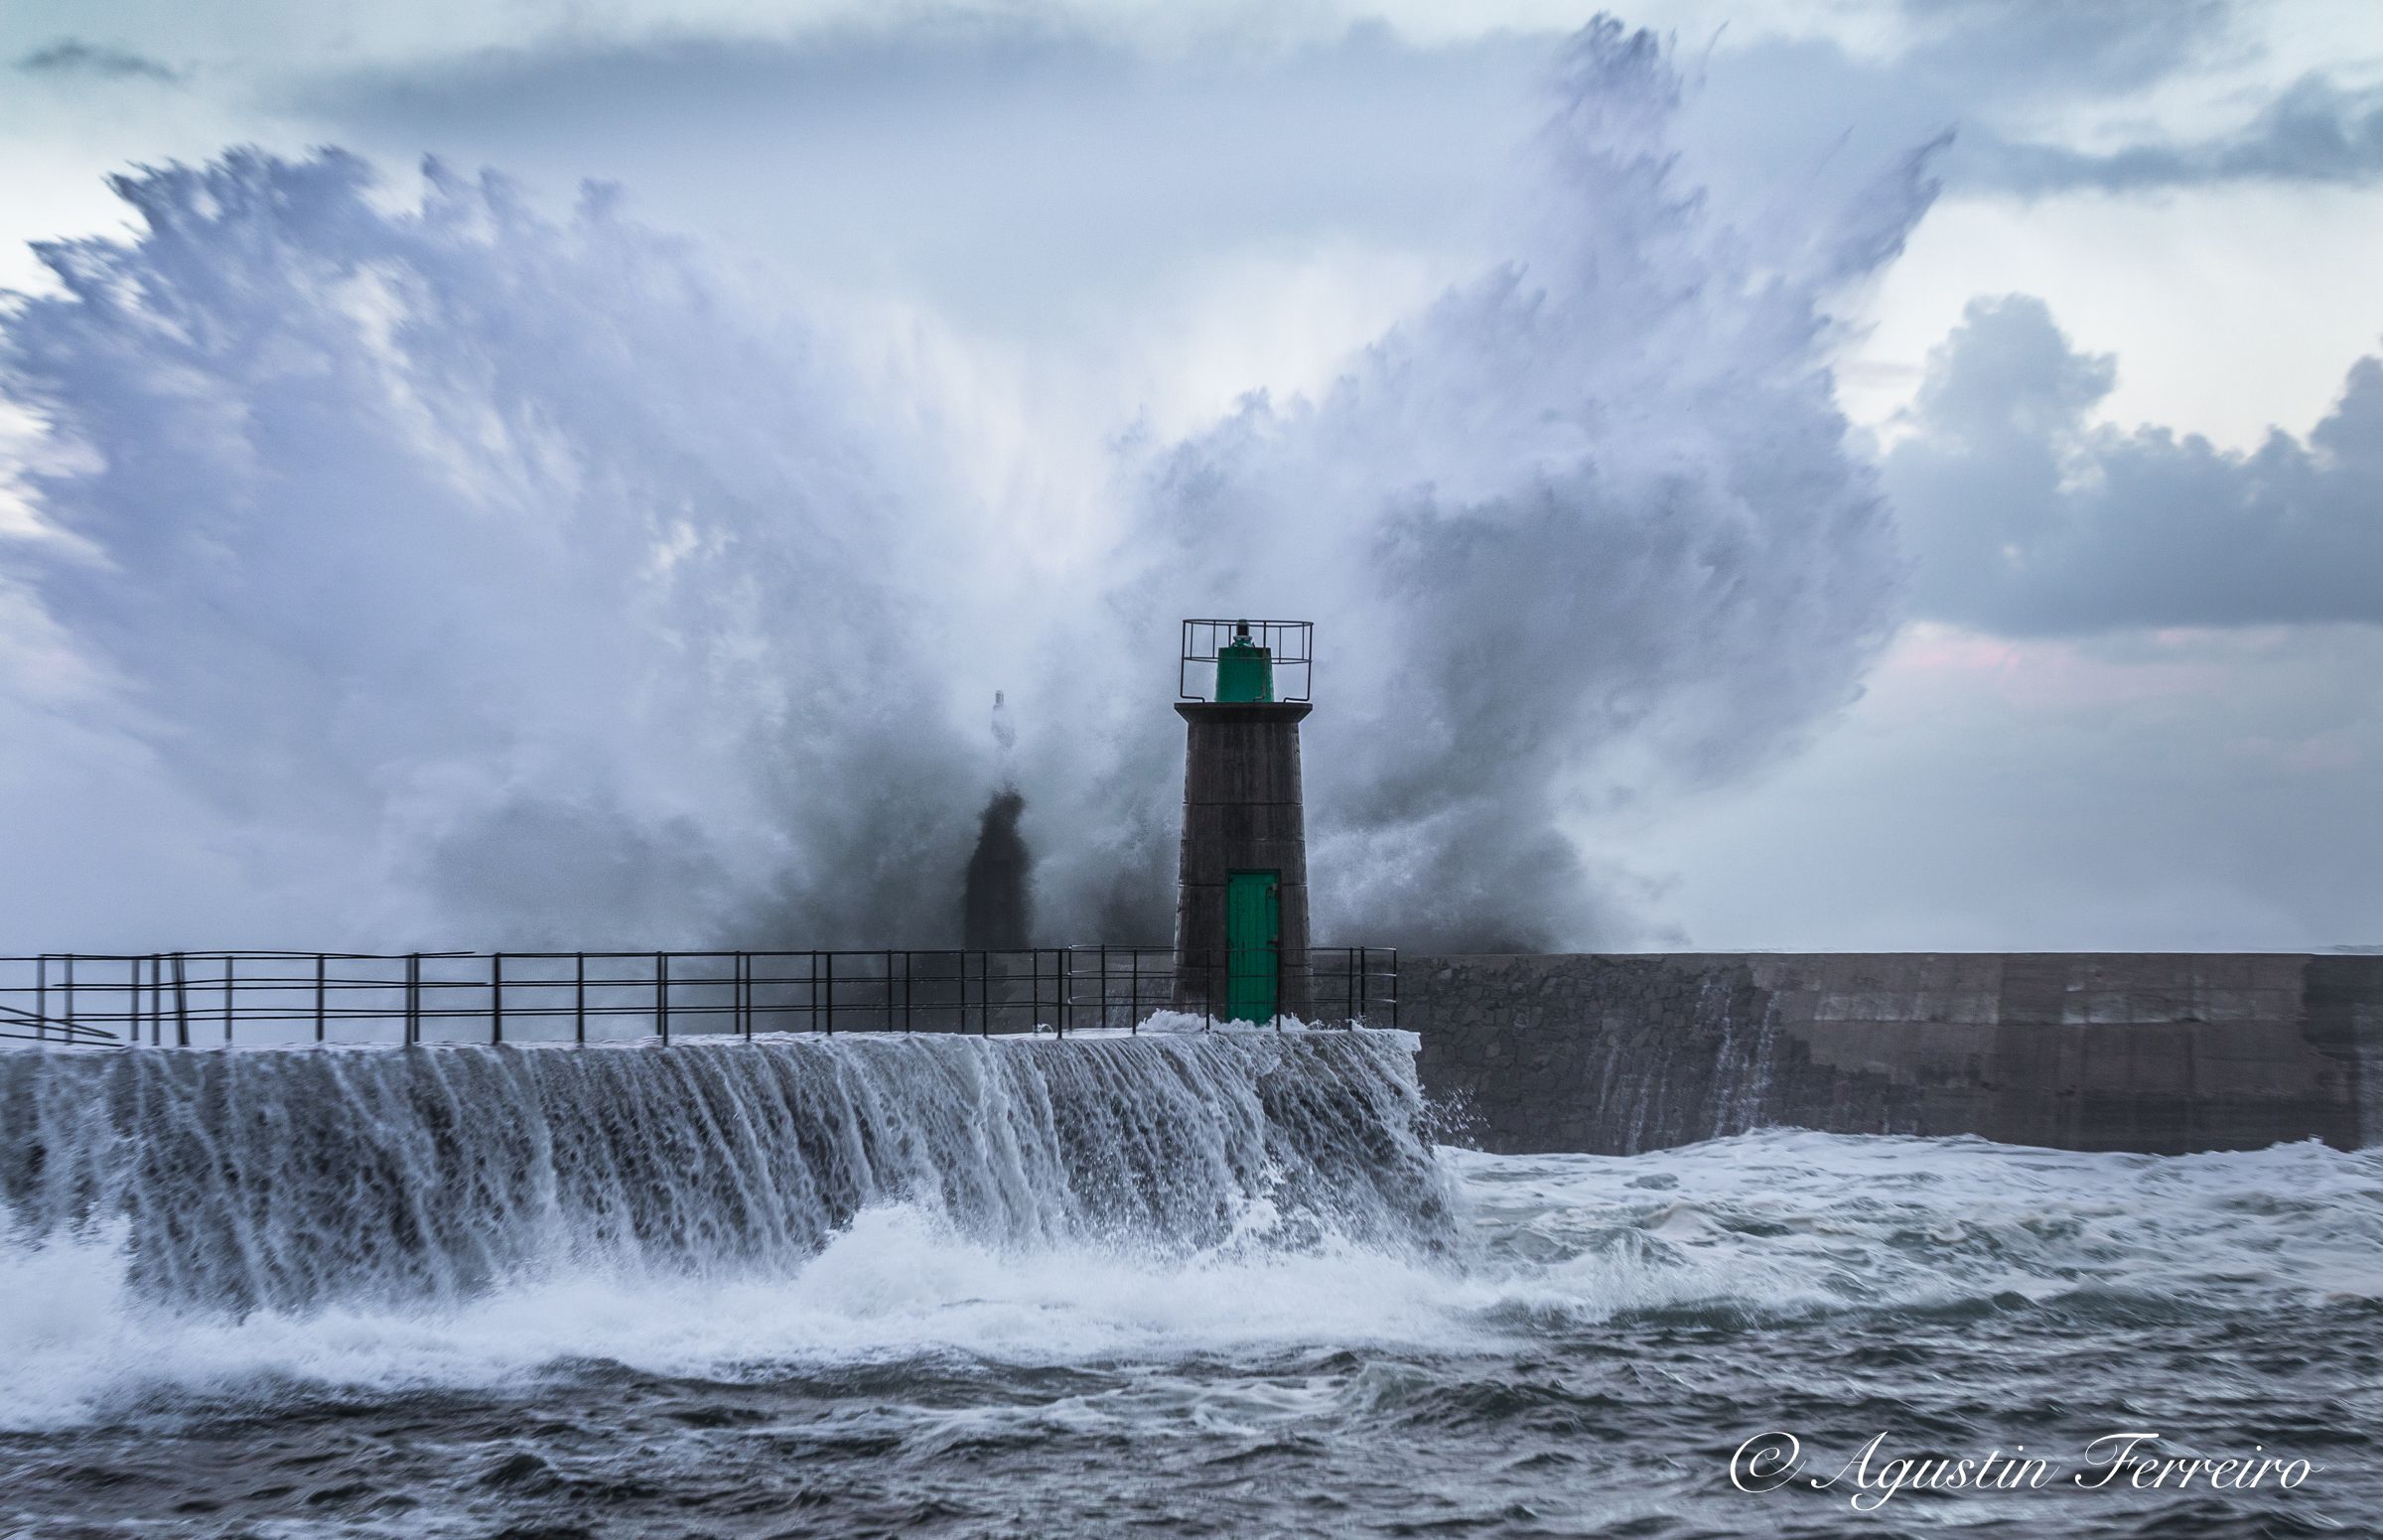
pixel 1213 1287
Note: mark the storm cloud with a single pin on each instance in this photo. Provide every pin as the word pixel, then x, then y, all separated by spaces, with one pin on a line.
pixel 74 56
pixel 2027 516
pixel 2316 132
pixel 2033 94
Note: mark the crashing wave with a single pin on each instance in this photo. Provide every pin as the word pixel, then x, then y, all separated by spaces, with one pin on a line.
pixel 286 1178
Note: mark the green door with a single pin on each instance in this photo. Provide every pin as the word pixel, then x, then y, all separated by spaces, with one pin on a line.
pixel 1253 929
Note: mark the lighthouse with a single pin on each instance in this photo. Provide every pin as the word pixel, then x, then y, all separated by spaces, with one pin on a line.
pixel 1242 908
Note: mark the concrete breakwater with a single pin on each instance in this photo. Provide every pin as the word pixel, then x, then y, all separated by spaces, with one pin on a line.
pixel 2166 1053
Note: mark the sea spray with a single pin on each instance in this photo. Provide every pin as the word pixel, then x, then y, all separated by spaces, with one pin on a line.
pixel 419 565
pixel 1588 528
pixel 467 570
pixel 289 1179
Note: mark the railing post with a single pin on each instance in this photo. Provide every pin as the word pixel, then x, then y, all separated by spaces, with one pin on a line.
pixel 496 998
pixel 1360 985
pixel 413 999
pixel 322 968
pixel 1395 991
pixel 157 1000
pixel 831 993
pixel 132 1002
pixel 984 994
pixel 889 989
pixel 1104 983
pixel 579 997
pixel 40 998
pixel 69 1016
pixel 661 995
pixel 909 990
pixel 181 1003
pixel 230 985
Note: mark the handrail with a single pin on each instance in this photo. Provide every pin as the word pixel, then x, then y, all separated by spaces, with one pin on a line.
pixel 288 996
pixel 33 1028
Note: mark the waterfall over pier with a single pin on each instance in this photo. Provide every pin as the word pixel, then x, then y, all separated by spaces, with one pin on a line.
pixel 288 1178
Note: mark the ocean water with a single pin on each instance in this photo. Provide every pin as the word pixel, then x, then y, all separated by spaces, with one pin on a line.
pixel 1200 1285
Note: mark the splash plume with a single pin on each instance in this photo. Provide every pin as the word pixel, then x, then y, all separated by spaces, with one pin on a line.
pixel 448 574
pixel 1584 531
pixel 482 576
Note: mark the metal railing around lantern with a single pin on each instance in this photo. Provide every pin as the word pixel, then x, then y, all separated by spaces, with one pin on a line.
pixel 1288 649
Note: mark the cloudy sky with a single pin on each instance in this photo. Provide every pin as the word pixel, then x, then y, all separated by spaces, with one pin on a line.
pixel 2121 384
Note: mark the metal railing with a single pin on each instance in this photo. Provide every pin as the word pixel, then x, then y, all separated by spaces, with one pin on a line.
pixel 182 999
pixel 1289 654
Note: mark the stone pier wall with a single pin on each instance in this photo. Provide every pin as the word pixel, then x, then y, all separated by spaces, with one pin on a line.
pixel 2158 1052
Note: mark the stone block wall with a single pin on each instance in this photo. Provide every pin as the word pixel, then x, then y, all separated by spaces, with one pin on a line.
pixel 2158 1053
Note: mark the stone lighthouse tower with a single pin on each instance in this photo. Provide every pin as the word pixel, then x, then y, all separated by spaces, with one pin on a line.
pixel 1241 914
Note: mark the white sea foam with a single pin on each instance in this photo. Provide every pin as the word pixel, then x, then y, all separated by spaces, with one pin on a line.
pixel 896 1283
pixel 1777 1227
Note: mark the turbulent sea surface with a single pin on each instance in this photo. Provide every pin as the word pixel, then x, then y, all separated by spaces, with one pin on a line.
pixel 1190 1286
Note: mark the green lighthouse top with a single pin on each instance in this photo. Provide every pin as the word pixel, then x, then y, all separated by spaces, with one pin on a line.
pixel 1256 662
pixel 1244 669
